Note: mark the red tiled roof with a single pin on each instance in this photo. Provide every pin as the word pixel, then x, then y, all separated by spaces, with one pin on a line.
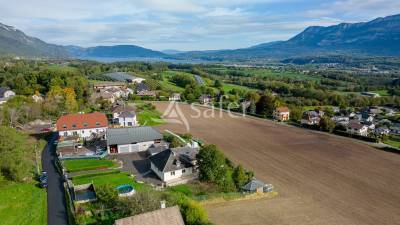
pixel 282 109
pixel 81 121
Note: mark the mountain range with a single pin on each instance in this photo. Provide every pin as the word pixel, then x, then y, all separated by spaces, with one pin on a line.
pixel 14 42
pixel 379 37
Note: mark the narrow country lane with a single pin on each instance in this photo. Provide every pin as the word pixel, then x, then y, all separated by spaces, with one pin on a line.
pixel 56 204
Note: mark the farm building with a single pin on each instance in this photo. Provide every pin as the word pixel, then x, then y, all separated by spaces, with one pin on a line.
pixel 82 125
pixel 125 77
pixel 132 139
pixel 175 166
pixel 105 85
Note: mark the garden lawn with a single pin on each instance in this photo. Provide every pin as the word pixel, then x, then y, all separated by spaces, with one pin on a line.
pixel 203 191
pixel 149 118
pixel 115 179
pixel 88 164
pixel 22 203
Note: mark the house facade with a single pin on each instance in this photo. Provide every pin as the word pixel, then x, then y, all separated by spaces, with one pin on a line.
pixel 82 125
pixel 131 139
pixel 357 129
pixel 175 97
pixel 175 166
pixel 205 99
pixel 124 116
pixel 310 118
pixel 282 113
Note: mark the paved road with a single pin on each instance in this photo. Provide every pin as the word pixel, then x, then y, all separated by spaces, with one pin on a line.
pixel 56 204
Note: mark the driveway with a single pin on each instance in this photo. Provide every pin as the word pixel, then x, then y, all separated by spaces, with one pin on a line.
pixel 56 204
pixel 138 164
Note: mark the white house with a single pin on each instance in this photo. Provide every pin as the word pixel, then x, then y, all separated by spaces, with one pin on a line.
pixel 310 118
pixel 82 125
pixel 205 99
pixel 124 116
pixel 175 166
pixel 131 139
pixel 5 94
pixel 37 98
pixel 357 129
pixel 175 97
pixel 282 113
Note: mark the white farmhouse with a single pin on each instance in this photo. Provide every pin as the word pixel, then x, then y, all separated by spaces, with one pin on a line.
pixel 175 166
pixel 131 139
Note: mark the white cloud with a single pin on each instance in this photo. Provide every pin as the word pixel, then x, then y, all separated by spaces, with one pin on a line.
pixel 181 24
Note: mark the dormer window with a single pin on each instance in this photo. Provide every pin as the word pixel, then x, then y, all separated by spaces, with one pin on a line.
pixel 64 126
pixel 85 124
pixel 73 125
pixel 97 123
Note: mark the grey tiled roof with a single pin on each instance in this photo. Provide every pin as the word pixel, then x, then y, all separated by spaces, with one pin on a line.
pixel 173 159
pixel 127 114
pixel 253 185
pixel 119 136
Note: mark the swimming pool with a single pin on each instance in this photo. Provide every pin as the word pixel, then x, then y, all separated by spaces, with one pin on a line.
pixel 125 190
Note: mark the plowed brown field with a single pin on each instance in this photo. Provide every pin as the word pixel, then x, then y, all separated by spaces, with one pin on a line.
pixel 321 179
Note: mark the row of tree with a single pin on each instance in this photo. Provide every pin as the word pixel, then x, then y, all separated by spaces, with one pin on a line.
pixel 215 168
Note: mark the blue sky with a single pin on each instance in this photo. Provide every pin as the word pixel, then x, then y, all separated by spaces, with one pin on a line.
pixel 182 24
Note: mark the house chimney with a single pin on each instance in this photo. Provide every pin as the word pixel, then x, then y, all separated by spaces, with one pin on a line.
pixel 178 163
pixel 163 203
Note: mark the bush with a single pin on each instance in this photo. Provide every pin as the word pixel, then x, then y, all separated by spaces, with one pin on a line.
pixel 193 213
pixel 107 195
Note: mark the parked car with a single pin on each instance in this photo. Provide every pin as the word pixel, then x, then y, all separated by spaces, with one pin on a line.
pixel 43 179
pixel 46 130
pixel 79 145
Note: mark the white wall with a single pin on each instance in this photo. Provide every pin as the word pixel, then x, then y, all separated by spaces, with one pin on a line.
pixel 127 148
pixel 123 121
pixel 167 176
pixel 82 132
